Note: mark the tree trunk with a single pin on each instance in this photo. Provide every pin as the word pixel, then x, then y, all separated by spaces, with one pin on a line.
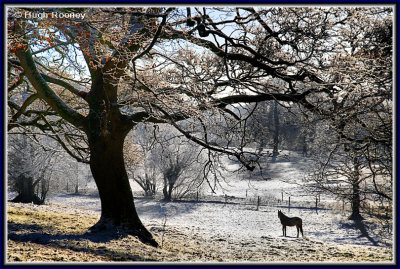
pixel 106 131
pixel 275 151
pixel 76 188
pixel 150 189
pixel 26 191
pixel 117 205
pixel 170 188
pixel 355 203
pixel 355 198
pixel 45 186
pixel 166 193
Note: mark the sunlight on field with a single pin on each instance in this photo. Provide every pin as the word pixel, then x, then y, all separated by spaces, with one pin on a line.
pixel 47 234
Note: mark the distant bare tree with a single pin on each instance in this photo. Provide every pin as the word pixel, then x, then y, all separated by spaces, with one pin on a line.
pixel 29 169
pixel 181 168
pixel 166 159
pixel 138 154
pixel 357 139
pixel 348 172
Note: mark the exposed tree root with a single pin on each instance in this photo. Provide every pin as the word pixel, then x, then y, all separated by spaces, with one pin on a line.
pixel 137 230
pixel 27 199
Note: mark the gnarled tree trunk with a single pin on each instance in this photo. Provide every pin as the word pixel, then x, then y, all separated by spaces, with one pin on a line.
pixel 26 191
pixel 106 134
pixel 117 204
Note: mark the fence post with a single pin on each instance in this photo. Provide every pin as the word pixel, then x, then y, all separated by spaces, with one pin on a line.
pixel 258 202
pixel 289 201
pixel 316 204
pixel 282 197
pixel 197 196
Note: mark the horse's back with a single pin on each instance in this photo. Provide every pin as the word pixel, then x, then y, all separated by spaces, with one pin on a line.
pixel 294 221
pixel 285 220
pixel 297 219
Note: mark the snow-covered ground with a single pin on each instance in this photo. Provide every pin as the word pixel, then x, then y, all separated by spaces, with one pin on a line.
pixel 236 222
pixel 238 219
pixel 239 222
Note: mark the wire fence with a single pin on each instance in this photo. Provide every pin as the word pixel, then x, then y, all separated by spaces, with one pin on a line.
pixel 284 200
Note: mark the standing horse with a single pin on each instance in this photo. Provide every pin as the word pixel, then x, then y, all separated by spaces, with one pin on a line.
pixel 286 221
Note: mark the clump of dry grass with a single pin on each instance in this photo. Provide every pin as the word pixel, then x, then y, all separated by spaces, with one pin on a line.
pixel 48 234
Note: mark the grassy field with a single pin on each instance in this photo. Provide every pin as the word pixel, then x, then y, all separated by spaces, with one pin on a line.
pixel 47 234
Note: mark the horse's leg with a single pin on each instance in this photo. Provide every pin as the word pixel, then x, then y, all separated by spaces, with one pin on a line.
pixel 301 230
pixel 283 230
pixel 297 227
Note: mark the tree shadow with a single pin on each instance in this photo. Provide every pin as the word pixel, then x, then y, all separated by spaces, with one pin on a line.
pixel 157 210
pixel 364 232
pixel 363 228
pixel 76 242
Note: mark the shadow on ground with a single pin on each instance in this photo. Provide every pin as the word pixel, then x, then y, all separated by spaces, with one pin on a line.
pixel 363 228
pixel 32 233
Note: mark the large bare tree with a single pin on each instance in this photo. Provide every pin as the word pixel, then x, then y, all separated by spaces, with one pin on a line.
pixel 86 81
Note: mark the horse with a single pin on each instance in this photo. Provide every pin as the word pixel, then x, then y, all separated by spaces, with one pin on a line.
pixel 286 221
